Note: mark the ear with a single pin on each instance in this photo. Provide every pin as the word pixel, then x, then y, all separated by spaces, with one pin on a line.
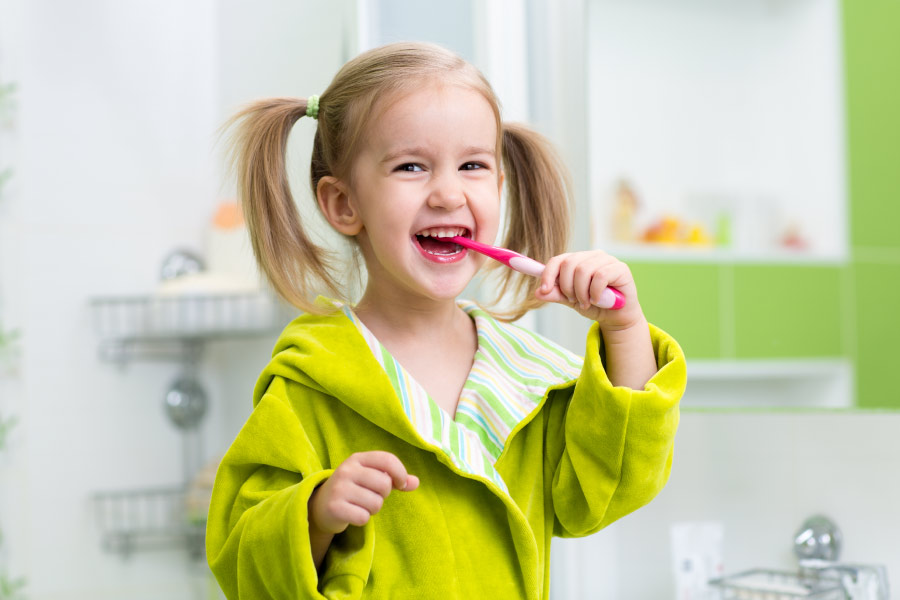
pixel 500 181
pixel 334 201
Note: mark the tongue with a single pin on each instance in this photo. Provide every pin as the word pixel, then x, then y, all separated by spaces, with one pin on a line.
pixel 431 244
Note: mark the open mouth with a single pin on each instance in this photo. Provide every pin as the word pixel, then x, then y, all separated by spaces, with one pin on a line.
pixel 433 241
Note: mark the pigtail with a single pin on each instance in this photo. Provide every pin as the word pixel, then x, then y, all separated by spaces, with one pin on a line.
pixel 293 264
pixel 538 211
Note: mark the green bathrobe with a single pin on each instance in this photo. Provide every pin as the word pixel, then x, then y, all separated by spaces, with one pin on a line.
pixel 586 455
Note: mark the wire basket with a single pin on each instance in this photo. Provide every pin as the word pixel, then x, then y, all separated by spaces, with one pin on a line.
pixel 761 584
pixel 185 317
pixel 149 519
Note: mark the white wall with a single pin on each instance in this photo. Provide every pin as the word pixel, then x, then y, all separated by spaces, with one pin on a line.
pixel 109 178
pixel 118 107
pixel 760 475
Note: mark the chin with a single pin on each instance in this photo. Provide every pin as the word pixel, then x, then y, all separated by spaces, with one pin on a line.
pixel 447 292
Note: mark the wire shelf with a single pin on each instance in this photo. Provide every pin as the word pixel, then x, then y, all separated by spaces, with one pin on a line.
pixel 185 317
pixel 175 327
pixel 762 584
pixel 149 519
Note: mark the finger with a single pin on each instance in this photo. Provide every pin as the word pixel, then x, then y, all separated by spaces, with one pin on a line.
pixel 412 482
pixel 554 295
pixel 549 276
pixel 601 294
pixel 374 479
pixel 387 462
pixel 598 282
pixel 366 499
pixel 583 277
pixel 334 511
pixel 566 279
pixel 354 514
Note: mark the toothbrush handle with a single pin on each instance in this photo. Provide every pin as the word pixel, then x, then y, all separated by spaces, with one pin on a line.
pixel 526 265
pixel 529 266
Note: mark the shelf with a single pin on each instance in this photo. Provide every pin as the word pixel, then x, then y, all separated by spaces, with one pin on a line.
pixel 185 317
pixel 770 384
pixel 175 326
pixel 707 255
pixel 724 370
pixel 149 519
pixel 762 584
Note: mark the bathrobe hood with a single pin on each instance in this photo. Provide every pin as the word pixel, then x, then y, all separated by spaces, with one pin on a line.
pixel 329 355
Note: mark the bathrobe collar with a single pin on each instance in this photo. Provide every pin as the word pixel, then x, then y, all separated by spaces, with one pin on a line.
pixel 330 353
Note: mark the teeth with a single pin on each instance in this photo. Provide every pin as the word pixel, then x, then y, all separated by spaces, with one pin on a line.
pixel 440 232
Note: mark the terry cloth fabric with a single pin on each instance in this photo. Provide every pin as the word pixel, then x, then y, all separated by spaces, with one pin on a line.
pixel 510 372
pixel 586 455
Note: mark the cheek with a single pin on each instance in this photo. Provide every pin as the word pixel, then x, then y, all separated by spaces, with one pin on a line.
pixel 489 208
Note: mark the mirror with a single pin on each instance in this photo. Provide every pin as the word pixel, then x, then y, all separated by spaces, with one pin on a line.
pixel 717 163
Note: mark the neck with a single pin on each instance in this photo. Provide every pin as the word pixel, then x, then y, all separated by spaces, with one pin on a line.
pixel 410 319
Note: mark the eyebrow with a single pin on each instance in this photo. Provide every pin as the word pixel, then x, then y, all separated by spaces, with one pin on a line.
pixel 420 150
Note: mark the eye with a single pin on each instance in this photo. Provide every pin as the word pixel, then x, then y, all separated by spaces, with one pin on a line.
pixel 472 166
pixel 410 167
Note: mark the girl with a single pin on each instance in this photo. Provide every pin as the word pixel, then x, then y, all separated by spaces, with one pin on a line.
pixel 412 445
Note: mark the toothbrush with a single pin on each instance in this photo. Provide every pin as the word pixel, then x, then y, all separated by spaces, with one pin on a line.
pixel 523 264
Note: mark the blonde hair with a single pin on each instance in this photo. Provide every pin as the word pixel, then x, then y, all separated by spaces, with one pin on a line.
pixel 538 190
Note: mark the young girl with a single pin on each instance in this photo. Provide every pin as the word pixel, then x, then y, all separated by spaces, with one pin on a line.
pixel 412 445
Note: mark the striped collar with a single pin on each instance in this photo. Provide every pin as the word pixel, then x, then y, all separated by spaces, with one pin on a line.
pixel 511 371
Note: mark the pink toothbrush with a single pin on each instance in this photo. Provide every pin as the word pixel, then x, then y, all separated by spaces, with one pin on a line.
pixel 526 265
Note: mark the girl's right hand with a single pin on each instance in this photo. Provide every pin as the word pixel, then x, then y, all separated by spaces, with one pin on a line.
pixel 356 491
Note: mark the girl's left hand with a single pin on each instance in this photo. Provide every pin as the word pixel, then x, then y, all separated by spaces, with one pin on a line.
pixel 578 278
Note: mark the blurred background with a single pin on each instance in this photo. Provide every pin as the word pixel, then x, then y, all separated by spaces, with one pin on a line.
pixel 742 156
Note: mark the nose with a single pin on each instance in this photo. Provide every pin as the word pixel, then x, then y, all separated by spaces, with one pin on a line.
pixel 447 193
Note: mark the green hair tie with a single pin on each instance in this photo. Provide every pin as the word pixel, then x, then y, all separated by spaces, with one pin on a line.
pixel 312 107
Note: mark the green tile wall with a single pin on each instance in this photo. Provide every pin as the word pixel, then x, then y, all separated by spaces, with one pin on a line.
pixel 872 75
pixel 872 64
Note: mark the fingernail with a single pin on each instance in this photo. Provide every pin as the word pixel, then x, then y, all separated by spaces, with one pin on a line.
pixel 607 299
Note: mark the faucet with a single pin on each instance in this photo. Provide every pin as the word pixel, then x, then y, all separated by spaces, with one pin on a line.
pixel 817 545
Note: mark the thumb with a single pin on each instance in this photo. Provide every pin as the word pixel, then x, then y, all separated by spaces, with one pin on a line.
pixel 553 295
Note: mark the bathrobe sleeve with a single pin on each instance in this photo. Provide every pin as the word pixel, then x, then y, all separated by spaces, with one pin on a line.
pixel 613 445
pixel 257 539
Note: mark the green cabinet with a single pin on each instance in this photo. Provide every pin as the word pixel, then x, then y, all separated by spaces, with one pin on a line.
pixel 877 329
pixel 752 311
pixel 788 311
pixel 684 300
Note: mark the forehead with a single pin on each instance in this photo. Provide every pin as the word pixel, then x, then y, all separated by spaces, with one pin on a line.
pixel 434 112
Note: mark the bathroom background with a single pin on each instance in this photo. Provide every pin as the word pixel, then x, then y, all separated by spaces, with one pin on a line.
pixel 740 156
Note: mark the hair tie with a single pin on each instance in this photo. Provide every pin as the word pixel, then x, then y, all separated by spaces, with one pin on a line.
pixel 312 107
